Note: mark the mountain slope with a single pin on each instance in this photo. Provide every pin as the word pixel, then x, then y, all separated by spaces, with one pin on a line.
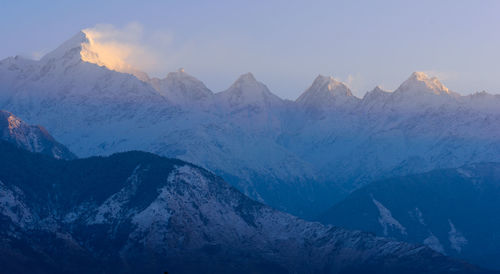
pixel 137 212
pixel 454 211
pixel 31 138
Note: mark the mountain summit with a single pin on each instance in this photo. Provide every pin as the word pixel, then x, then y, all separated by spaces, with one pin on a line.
pixel 84 47
pixel 326 93
pixel 419 82
pixel 246 90
pixel 31 138
pixel 71 49
pixel 181 88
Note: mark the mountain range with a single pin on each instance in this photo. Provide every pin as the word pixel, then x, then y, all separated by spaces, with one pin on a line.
pixel 300 156
pixel 136 212
pixel 418 164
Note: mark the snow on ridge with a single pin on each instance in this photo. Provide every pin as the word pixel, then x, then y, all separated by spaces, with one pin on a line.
pixel 115 204
pixel 156 212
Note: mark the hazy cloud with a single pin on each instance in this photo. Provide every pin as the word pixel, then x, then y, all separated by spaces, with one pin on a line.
pixel 129 45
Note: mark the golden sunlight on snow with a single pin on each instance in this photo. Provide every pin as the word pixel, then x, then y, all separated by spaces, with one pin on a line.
pixel 111 55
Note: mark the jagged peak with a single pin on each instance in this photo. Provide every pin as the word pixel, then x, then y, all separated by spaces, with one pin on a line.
pixel 68 49
pixel 247 83
pixel 180 81
pixel 30 137
pixel 376 92
pixel 180 73
pixel 331 84
pixel 321 79
pixel 5 118
pixel 379 89
pixel 324 88
pixel 9 120
pixel 84 47
pixel 419 82
pixel 419 75
pixel 247 90
pixel 246 78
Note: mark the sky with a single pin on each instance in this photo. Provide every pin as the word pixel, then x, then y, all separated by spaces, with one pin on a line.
pixel 285 44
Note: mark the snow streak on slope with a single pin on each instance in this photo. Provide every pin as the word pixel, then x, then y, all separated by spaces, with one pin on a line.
pixel 456 238
pixel 386 220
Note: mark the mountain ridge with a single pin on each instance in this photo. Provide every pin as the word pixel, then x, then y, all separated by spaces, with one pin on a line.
pixel 158 214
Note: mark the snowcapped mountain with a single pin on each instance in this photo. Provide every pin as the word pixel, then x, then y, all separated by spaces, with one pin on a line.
pixel 137 212
pixel 98 111
pixel 247 92
pixel 181 88
pixel 31 138
pixel 419 82
pixel 454 211
pixel 300 156
pixel 420 91
pixel 326 94
pixel 82 47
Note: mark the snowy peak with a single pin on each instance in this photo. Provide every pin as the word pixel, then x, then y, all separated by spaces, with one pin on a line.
pixel 31 138
pixel 181 88
pixel 324 83
pixel 379 90
pixel 246 77
pixel 376 93
pixel 246 90
pixel 419 82
pixel 69 50
pixel 248 82
pixel 181 76
pixel 326 92
pixel 85 47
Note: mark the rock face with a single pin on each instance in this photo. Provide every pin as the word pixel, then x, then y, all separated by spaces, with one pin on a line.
pixel 454 211
pixel 31 138
pixel 137 212
pixel 300 156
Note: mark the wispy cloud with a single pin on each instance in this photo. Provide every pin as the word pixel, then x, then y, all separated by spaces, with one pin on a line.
pixel 129 46
pixel 442 75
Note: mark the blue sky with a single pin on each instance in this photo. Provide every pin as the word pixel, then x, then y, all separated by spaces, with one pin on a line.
pixel 284 43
